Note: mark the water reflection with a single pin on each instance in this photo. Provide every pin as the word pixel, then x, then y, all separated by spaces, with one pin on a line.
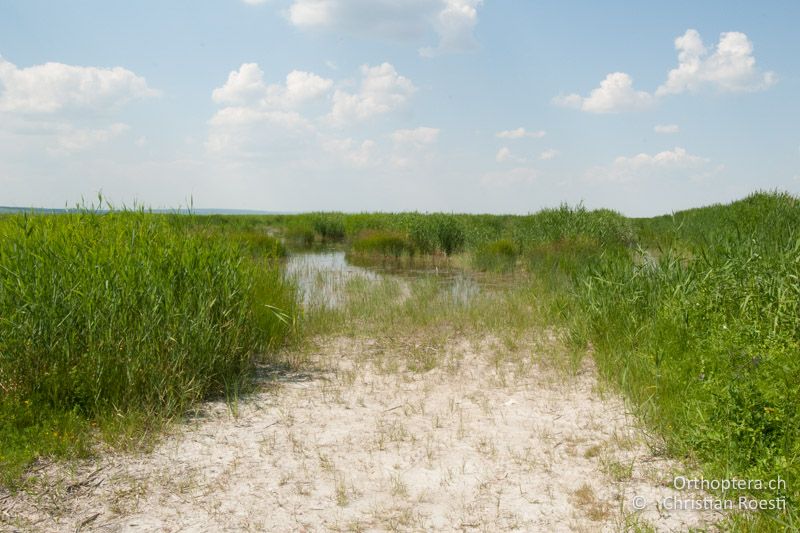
pixel 322 277
pixel 462 290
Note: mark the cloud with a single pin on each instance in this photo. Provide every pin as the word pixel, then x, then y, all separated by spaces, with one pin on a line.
pixel 417 137
pixel 506 178
pixel 53 87
pixel 235 116
pixel 730 68
pixel 548 154
pixel 669 164
pixel 615 94
pixel 666 128
pixel 406 20
pixel 255 132
pixel 259 118
pixel 455 25
pixel 62 109
pixel 519 133
pixel 413 147
pixel 403 20
pixel 243 85
pixel 351 152
pixel 675 157
pixel 503 155
pixel 382 90
pixel 71 140
pixel 246 86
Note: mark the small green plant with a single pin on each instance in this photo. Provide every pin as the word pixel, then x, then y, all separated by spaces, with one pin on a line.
pixel 329 226
pixel 301 235
pixel 382 243
pixel 499 256
pixel 450 234
pixel 257 244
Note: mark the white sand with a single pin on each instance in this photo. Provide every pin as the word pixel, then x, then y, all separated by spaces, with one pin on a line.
pixel 481 443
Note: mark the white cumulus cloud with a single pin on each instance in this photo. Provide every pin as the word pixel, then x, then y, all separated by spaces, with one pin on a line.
pixel 53 87
pixel 615 94
pixel 675 157
pixel 62 109
pixel 730 67
pixel 381 90
pixel 246 86
pixel 257 117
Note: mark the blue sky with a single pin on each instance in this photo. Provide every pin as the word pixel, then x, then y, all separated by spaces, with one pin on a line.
pixel 452 105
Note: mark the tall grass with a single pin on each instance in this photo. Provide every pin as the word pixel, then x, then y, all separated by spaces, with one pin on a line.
pixel 382 243
pixel 702 333
pixel 442 233
pixel 123 315
pixel 498 256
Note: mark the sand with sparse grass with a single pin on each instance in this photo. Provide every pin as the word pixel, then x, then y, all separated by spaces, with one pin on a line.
pixel 468 433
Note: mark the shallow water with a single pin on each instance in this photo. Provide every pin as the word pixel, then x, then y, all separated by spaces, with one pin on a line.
pixel 321 278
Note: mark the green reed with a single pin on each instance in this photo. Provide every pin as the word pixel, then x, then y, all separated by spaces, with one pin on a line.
pixel 123 315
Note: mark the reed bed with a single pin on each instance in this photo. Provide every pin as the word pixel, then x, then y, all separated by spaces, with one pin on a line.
pixel 702 332
pixel 124 318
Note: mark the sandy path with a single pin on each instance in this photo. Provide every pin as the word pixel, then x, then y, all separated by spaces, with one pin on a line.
pixel 364 445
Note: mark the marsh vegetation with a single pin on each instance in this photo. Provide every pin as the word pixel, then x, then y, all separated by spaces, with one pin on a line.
pixel 115 323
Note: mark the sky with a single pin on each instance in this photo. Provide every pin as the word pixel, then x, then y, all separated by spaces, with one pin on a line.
pixel 482 106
